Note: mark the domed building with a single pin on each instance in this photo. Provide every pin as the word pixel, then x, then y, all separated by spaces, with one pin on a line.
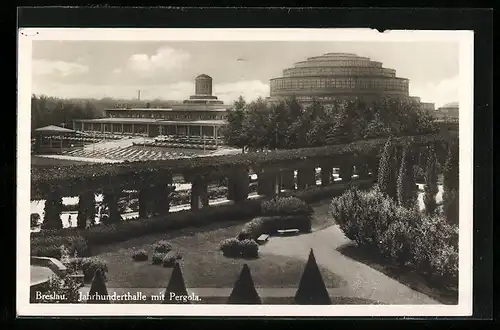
pixel 337 76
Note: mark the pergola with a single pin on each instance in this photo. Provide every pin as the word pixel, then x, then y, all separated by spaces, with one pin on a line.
pixel 45 137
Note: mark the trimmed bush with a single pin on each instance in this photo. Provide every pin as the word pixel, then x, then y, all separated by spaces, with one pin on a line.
pixel 244 289
pixel 286 206
pixel 98 289
pixel 177 286
pixel 312 289
pixel 91 265
pixel 271 224
pixel 171 258
pixel 162 246
pixel 235 248
pixel 140 255
pixel 157 258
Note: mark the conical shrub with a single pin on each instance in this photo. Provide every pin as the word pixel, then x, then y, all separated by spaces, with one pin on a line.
pixel 312 289
pixel 244 291
pixel 176 288
pixel 98 292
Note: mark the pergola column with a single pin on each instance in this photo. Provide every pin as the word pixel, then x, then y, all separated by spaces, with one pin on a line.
pixel 199 193
pixel 345 172
pixel 238 185
pixel 267 183
pixel 110 199
pixel 306 177
pixel 86 209
pixel 326 174
pixel 287 179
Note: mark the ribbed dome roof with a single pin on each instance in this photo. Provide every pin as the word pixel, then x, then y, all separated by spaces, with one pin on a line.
pixel 336 75
pixel 204 76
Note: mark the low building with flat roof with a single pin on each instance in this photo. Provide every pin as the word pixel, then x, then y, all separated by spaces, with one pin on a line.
pixel 201 114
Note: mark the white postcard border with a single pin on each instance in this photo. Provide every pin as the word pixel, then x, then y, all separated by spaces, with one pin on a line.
pixel 27 36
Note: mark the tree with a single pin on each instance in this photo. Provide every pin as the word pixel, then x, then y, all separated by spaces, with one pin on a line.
pixel 256 123
pixel 312 289
pixel 451 169
pixel 386 170
pixel 244 291
pixel 431 184
pixel 233 131
pixel 406 186
pixel 277 126
pixel 451 185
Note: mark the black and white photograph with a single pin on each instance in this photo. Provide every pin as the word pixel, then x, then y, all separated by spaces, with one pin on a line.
pixel 211 170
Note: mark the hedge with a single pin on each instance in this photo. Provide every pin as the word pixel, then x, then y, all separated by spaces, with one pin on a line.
pixel 271 224
pixel 75 179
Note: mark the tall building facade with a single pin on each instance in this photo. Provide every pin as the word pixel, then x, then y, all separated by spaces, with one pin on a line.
pixel 337 76
pixel 202 114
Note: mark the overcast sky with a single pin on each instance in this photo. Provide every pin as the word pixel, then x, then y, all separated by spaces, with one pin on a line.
pixel 167 70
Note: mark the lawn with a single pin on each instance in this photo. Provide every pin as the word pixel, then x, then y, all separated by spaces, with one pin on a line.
pixel 203 265
pixel 445 293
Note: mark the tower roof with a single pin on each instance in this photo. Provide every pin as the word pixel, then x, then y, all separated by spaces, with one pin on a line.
pixel 203 76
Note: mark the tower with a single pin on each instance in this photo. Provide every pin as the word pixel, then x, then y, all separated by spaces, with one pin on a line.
pixel 203 85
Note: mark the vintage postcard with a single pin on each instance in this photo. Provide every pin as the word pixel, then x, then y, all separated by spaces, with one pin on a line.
pixel 185 172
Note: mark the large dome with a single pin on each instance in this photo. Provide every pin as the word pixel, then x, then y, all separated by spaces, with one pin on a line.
pixel 338 76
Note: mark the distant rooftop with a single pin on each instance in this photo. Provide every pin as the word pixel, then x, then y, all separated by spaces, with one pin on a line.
pixel 54 129
pixel 450 105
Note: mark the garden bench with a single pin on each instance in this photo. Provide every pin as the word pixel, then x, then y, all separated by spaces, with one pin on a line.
pixel 262 239
pixel 288 231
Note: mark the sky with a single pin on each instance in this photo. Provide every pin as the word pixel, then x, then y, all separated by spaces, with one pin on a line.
pixel 166 70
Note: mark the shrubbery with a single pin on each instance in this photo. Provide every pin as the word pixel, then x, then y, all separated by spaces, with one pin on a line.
pixel 140 255
pixel 271 224
pixel 162 247
pixel 279 213
pixel 170 258
pixel 404 236
pixel 233 247
pixel 157 258
pixel 286 206
pixel 90 265
pixel 50 246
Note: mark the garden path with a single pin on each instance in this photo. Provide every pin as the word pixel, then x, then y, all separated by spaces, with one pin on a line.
pixel 363 281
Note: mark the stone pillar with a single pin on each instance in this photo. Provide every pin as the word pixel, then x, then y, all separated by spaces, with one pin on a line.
pixel 144 203
pixel 345 172
pixel 306 177
pixel 267 184
pixel 326 175
pixel 287 180
pixel 238 185
pixel 110 199
pixel 86 210
pixel 362 170
pixel 199 193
